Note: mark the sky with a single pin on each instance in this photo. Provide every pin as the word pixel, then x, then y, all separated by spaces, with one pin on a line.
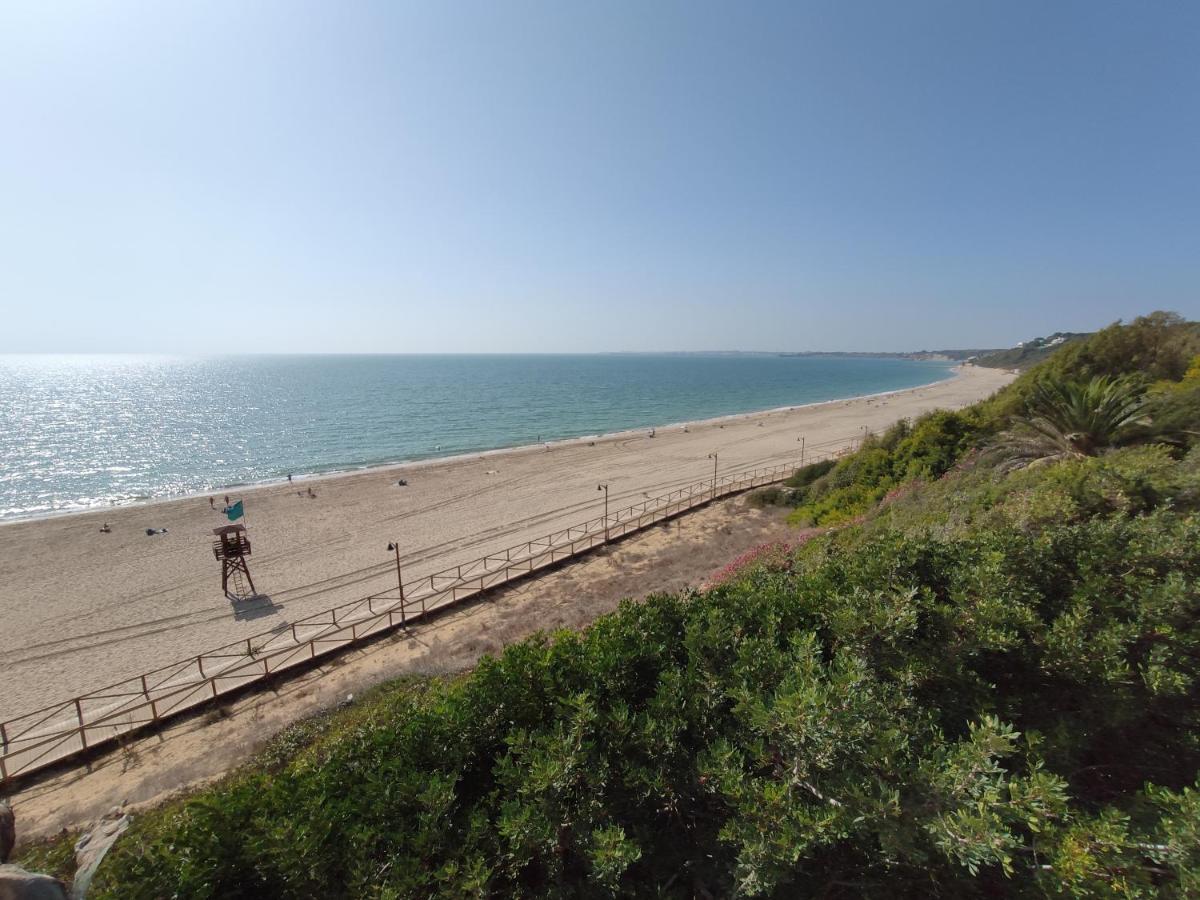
pixel 606 176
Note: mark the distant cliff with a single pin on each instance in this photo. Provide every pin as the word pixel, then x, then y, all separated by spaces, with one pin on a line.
pixel 917 354
pixel 1021 356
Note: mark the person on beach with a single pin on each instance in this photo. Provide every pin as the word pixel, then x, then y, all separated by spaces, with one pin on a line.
pixel 212 503
pixel 104 529
pixel 289 477
pixel 226 499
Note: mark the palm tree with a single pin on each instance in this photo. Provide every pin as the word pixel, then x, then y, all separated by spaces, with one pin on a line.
pixel 1070 419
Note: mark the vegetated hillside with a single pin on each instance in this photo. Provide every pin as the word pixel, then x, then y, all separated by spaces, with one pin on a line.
pixel 983 683
pixel 1022 356
pixel 914 354
pixel 1028 353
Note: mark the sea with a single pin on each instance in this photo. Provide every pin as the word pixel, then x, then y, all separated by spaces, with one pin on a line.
pixel 86 432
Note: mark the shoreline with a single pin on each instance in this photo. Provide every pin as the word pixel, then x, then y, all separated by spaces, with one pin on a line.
pixel 314 478
pixel 84 607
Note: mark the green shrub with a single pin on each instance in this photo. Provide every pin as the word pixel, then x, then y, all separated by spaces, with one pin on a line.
pixel 1174 413
pixel 769 496
pixel 1160 346
pixel 1010 708
pixel 853 485
pixel 1156 347
pixel 803 477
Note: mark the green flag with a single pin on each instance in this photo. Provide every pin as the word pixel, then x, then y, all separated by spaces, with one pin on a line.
pixel 234 512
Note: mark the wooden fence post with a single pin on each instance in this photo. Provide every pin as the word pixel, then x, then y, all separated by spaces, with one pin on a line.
pixel 150 700
pixel 79 716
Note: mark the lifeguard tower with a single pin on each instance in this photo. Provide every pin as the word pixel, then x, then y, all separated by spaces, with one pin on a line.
pixel 232 547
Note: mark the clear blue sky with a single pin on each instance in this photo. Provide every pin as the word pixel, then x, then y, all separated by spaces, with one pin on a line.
pixel 508 176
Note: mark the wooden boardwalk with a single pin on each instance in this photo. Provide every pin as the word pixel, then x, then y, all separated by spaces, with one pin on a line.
pixel 56 733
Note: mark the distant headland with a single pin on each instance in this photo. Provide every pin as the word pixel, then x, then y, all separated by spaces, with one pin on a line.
pixel 1021 356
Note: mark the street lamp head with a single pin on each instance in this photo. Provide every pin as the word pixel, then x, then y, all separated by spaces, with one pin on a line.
pixel 392 546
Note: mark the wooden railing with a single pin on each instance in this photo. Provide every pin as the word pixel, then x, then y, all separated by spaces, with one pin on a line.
pixel 55 733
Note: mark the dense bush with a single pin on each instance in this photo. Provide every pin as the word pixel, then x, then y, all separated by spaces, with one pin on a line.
pixel 1157 347
pixel 1174 408
pixel 1009 707
pixel 1127 482
pixel 1160 348
pixel 806 475
pixel 769 496
pixel 926 450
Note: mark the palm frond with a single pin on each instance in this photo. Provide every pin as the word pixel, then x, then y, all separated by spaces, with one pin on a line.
pixel 1073 419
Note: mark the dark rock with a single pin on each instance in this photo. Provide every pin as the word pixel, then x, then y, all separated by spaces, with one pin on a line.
pixel 8 830
pixel 17 884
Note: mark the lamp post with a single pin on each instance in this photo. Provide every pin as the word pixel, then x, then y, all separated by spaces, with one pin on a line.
pixel 604 487
pixel 801 440
pixel 395 548
pixel 713 457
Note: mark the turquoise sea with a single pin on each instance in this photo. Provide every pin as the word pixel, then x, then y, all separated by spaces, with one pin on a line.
pixel 80 432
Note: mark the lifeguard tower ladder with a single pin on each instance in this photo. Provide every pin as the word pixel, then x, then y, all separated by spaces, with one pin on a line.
pixel 232 547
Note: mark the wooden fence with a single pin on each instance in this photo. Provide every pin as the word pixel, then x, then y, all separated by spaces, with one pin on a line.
pixel 55 733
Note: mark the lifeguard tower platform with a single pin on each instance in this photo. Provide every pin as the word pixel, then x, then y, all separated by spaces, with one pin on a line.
pixel 232 547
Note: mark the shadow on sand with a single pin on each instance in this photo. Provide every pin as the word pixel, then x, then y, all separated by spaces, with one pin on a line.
pixel 255 607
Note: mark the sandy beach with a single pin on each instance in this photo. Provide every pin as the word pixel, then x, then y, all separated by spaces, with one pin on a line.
pixel 82 609
pixel 150 768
